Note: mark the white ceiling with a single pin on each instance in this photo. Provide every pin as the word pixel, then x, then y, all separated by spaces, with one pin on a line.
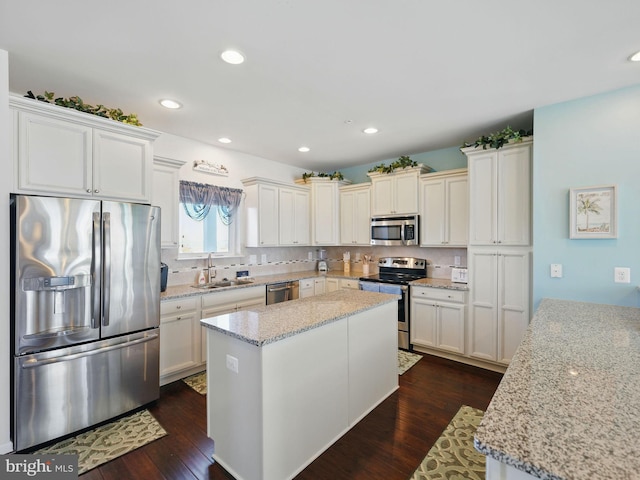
pixel 429 74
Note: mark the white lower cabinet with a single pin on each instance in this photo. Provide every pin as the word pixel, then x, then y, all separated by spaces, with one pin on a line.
pixel 182 339
pixel 500 299
pixel 307 288
pixel 228 301
pixel 179 336
pixel 438 318
pixel 331 284
pixel 319 286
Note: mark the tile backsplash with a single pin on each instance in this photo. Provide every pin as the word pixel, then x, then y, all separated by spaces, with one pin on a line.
pixel 296 259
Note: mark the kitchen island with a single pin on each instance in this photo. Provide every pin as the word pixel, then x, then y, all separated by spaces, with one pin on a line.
pixel 285 381
pixel 568 406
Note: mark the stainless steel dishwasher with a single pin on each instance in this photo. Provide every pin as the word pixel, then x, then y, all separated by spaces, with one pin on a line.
pixel 281 292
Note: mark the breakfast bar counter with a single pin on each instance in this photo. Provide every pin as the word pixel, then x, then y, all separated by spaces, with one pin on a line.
pixel 568 406
pixel 285 381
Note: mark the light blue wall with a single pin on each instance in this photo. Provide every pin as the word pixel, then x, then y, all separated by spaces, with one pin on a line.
pixel 590 141
pixel 443 159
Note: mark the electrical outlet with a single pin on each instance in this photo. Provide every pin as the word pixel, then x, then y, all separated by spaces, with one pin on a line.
pixel 456 260
pixel 232 363
pixel 556 270
pixel 263 258
pixel 622 275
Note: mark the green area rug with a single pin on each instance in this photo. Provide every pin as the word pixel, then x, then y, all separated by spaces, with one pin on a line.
pixel 198 382
pixel 107 442
pixel 453 456
pixel 406 360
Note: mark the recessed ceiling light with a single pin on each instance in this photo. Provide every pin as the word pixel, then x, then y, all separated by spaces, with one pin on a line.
pixel 224 140
pixel 172 104
pixel 304 149
pixel 370 130
pixel 635 57
pixel 232 56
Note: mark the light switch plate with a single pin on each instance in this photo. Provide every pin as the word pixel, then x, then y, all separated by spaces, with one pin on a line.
pixel 556 270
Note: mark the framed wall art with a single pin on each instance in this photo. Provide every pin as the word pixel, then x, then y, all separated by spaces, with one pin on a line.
pixel 593 212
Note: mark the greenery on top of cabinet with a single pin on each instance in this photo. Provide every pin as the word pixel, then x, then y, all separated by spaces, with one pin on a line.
pixel 403 162
pixel 332 176
pixel 76 103
pixel 499 139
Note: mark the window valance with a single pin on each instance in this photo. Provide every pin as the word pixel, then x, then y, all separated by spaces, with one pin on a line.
pixel 198 198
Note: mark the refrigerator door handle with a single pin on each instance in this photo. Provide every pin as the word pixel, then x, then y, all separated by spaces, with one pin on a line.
pixel 106 287
pixel 95 271
pixel 33 363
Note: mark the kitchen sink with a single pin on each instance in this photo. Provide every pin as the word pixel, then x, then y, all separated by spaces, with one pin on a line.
pixel 222 283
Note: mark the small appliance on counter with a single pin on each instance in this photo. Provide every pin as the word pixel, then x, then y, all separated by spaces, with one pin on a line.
pixel 458 275
pixel 323 266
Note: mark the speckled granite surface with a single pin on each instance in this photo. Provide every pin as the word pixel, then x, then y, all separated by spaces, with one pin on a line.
pixel 568 406
pixel 178 291
pixel 440 283
pixel 270 323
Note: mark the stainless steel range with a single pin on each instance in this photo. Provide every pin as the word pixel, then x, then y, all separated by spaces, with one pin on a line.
pixel 395 274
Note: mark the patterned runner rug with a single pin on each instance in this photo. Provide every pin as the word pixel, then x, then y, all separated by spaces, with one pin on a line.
pixel 453 456
pixel 406 360
pixel 108 441
pixel 198 382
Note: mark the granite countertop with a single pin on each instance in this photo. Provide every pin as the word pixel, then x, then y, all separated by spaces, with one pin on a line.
pixel 270 323
pixel 568 406
pixel 439 283
pixel 178 291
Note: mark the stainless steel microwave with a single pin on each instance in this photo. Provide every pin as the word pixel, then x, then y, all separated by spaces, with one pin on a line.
pixel 395 230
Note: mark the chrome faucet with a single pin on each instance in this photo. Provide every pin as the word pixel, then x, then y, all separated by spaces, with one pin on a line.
pixel 211 272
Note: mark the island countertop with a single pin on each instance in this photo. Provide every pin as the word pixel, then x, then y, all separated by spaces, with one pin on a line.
pixel 568 406
pixel 270 323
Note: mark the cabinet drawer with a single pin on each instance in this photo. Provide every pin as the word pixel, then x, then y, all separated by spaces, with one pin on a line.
pixel 171 307
pixel 307 283
pixel 348 283
pixel 443 294
pixel 234 296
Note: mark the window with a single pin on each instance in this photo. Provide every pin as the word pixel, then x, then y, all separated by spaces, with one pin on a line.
pixel 208 215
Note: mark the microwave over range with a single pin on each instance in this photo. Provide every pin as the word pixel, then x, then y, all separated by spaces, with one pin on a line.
pixel 395 230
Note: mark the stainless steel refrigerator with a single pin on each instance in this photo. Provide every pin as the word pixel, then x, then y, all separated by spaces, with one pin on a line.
pixel 85 303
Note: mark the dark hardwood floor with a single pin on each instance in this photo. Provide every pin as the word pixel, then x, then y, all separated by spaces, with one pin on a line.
pixel 388 444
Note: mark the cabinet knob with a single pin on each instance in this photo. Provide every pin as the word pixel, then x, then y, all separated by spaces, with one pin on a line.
pixel 88 190
pixel 96 191
pixel 179 307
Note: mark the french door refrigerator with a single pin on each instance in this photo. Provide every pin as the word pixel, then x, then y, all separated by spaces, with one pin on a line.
pixel 85 303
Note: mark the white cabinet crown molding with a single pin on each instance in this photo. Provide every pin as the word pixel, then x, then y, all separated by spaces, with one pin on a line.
pixel 168 162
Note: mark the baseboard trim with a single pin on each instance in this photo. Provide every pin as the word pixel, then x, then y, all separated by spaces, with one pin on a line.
pixel 462 359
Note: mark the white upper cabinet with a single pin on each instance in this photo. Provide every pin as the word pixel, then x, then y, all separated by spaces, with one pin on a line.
pixel 500 194
pixel 325 210
pixel 262 204
pixel 395 193
pixel 294 216
pixel 276 213
pixel 64 152
pixel 444 209
pixel 165 194
pixel 355 214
